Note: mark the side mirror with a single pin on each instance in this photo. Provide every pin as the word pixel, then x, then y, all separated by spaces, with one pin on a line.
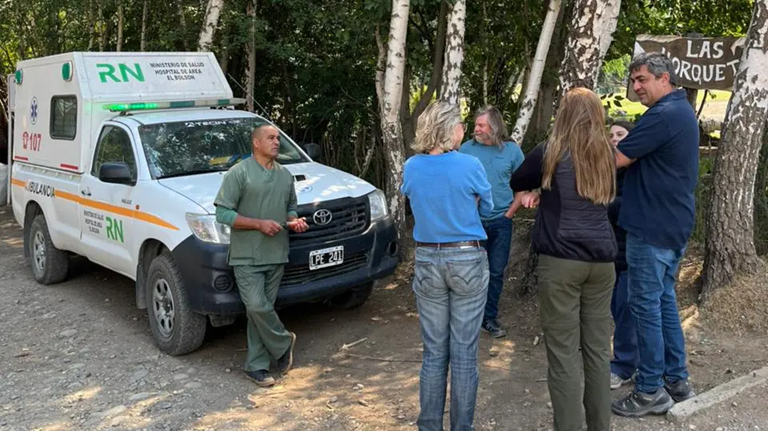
pixel 313 151
pixel 116 173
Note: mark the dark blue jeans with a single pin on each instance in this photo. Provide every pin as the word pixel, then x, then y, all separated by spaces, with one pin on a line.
pixel 499 232
pixel 653 301
pixel 625 354
pixel 450 287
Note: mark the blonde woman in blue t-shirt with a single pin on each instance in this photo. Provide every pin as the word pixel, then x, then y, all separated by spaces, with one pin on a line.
pixel 448 193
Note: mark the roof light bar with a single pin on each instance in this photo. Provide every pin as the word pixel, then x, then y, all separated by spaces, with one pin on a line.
pixel 143 106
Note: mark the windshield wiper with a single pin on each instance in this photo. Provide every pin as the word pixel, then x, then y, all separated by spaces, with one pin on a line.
pixel 194 172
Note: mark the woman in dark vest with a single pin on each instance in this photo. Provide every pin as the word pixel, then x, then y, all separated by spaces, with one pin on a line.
pixel 573 237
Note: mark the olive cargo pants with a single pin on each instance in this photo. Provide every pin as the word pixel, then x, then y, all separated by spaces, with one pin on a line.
pixel 575 307
pixel 267 337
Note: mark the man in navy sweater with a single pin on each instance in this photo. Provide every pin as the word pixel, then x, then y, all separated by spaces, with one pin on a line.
pixel 658 212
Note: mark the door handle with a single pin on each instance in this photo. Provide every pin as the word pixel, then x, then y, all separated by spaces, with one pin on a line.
pixel 85 192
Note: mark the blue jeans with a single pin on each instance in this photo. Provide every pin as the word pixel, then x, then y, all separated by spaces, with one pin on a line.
pixel 625 354
pixel 450 286
pixel 652 298
pixel 499 232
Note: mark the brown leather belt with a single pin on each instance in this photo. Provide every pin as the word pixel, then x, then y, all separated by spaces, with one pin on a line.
pixel 474 243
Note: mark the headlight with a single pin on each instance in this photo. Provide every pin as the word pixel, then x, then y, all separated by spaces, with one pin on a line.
pixel 205 228
pixel 378 204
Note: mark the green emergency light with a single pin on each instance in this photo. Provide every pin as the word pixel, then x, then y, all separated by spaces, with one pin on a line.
pixel 144 106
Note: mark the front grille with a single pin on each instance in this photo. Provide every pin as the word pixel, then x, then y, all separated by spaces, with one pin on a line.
pixel 300 274
pixel 348 217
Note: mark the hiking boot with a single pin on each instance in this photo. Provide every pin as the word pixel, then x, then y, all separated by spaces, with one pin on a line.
pixel 261 378
pixel 639 404
pixel 680 391
pixel 286 361
pixel 492 327
pixel 617 381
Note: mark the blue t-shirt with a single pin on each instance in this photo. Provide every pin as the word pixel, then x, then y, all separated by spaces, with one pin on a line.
pixel 499 163
pixel 443 191
pixel 658 203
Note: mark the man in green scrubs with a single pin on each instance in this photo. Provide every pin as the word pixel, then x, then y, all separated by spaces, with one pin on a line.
pixel 256 196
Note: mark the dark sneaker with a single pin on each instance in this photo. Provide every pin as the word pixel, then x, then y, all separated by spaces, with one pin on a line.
pixel 492 327
pixel 680 391
pixel 286 361
pixel 261 378
pixel 639 404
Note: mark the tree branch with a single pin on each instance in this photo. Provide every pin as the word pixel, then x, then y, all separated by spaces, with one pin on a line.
pixel 437 62
pixel 381 64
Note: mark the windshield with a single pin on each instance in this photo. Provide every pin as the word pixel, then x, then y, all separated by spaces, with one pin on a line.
pixel 197 147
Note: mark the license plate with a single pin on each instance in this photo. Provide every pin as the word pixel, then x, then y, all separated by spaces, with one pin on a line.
pixel 326 257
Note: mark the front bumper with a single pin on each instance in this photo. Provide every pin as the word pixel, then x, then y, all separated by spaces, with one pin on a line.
pixel 210 283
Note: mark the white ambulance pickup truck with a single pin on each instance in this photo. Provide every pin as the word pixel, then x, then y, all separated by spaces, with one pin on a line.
pixel 118 157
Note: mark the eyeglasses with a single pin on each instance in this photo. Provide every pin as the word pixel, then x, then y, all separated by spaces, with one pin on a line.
pixel 464 127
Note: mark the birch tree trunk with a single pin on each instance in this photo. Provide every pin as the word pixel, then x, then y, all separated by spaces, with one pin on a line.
pixel 730 243
pixel 454 52
pixel 120 26
pixel 591 31
pixel 550 82
pixel 608 25
pixel 250 69
pixel 537 71
pixel 144 27
pixel 211 21
pixel 390 94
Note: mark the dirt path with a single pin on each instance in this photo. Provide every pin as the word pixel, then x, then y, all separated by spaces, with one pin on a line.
pixel 79 355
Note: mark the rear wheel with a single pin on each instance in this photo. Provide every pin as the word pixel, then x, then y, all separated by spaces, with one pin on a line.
pixel 176 328
pixel 354 297
pixel 49 264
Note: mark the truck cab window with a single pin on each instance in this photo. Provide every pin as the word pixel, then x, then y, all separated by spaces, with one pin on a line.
pixel 114 147
pixel 175 149
pixel 63 117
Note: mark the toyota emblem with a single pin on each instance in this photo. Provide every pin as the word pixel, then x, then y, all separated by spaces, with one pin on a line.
pixel 322 217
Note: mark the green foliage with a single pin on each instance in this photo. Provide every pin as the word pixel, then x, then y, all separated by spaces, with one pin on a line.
pixel 710 18
pixel 614 74
pixel 498 48
pixel 316 59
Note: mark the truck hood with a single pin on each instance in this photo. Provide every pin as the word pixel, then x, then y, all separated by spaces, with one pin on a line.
pixel 314 183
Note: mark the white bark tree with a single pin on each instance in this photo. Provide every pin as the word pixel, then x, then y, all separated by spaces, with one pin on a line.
pixel 537 71
pixel 608 25
pixel 591 32
pixel 211 21
pixel 389 87
pixel 454 52
pixel 730 244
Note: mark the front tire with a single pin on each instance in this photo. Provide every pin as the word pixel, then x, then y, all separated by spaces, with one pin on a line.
pixel 176 328
pixel 49 264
